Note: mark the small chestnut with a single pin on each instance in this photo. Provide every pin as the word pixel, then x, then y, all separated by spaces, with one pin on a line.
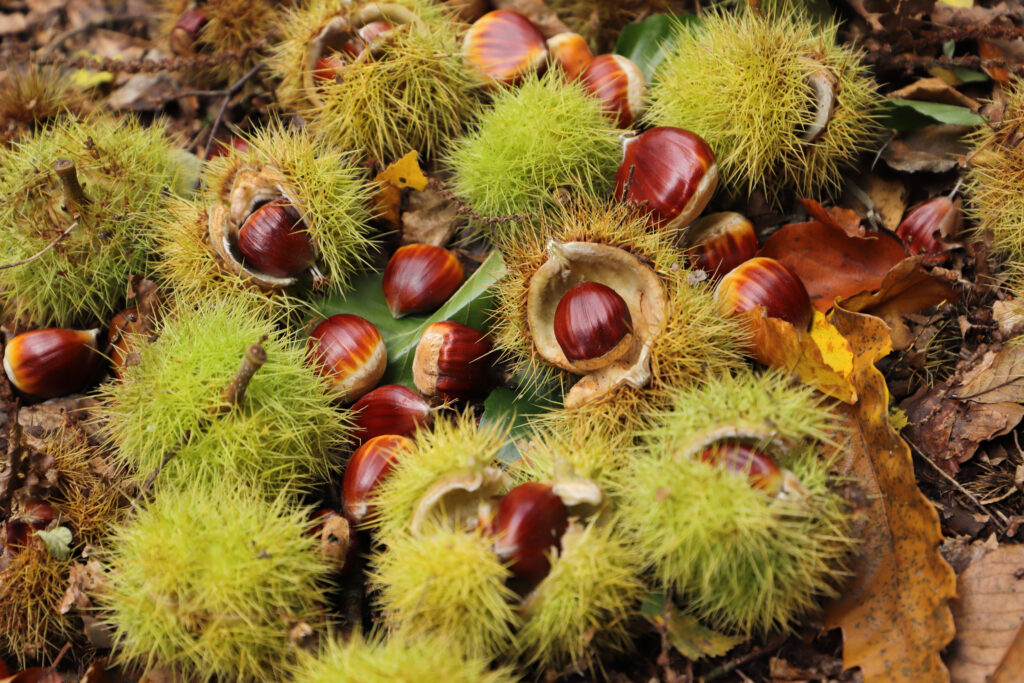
pixel 721 241
pixel 760 468
pixel 619 84
pixel 328 68
pixel 52 362
pixel 528 525
pixel 367 467
pixel 927 228
pixel 363 40
pixel 186 31
pixel 275 241
pixel 766 282
pixel 350 351
pixel 670 172
pixel 504 46
pixel 35 515
pixel 593 326
pixel 222 148
pixel 452 361
pixel 390 409
pixel 419 278
pixel 570 52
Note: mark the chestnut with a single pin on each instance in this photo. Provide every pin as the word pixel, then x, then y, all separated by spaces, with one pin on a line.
pixel 528 525
pixel 52 362
pixel 768 283
pixel 452 361
pixel 275 241
pixel 570 52
pixel 419 278
pixel 925 229
pixel 390 409
pixel 328 68
pixel 222 148
pixel 186 31
pixel 593 326
pixel 672 173
pixel 350 351
pixel 363 40
pixel 759 467
pixel 619 84
pixel 504 46
pixel 367 467
pixel 721 241
pixel 35 515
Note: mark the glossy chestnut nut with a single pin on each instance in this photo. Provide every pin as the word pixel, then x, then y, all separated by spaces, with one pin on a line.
pixel 35 515
pixel 570 52
pixel 721 241
pixel 368 466
pixel 222 148
pixel 926 229
pixel 365 35
pixel 528 525
pixel 452 361
pixel 760 468
pixel 593 326
pixel 504 46
pixel 420 278
pixel 671 172
pixel 328 68
pixel 390 409
pixel 619 84
pixel 350 352
pixel 186 31
pixel 766 282
pixel 274 240
pixel 52 362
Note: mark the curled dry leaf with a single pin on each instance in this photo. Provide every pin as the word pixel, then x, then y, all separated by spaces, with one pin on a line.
pixel 836 217
pixel 387 202
pixel 934 149
pixel 894 613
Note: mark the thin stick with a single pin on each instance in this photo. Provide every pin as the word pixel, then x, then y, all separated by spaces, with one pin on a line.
pixel 730 666
pixel 234 392
pixel 74 196
pixel 45 249
pixel 228 94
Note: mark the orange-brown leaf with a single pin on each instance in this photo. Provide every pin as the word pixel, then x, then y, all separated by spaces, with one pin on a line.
pixel 895 613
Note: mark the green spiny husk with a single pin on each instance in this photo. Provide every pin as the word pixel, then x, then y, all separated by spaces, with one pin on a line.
pixel 125 170
pixel 284 434
pixel 208 579
pixel 736 556
pixel 397 659
pixel 738 80
pixel 542 137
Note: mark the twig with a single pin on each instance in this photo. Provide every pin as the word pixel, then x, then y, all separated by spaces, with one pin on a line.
pixel 74 196
pixel 228 94
pixel 42 251
pixel 734 664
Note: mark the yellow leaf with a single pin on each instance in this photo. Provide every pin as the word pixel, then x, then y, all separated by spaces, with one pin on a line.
pixel 86 79
pixel 404 173
pixel 958 3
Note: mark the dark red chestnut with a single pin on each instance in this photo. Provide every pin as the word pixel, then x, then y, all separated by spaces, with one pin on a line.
pixel 36 515
pixel 927 228
pixel 593 326
pixel 721 241
pixel 671 172
pixel 186 31
pixel 275 241
pixel 328 68
pixel 364 37
pixel 528 526
pixel 619 84
pixel 420 278
pixel 367 467
pixel 390 409
pixel 504 46
pixel 52 362
pixel 350 352
pixel 222 148
pixel 760 468
pixel 571 53
pixel 452 361
pixel 765 282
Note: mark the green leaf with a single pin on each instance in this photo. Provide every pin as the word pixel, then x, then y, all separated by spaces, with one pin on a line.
pixel 688 636
pixel 58 541
pixel 968 76
pixel 648 42
pixel 506 406
pixel 916 114
pixel 469 305
pixel 949 47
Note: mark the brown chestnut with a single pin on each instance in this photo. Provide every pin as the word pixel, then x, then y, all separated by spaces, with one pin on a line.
pixel 452 361
pixel 419 278
pixel 350 352
pixel 389 409
pixel 222 148
pixel 52 362
pixel 34 516
pixel 593 326
pixel 186 31
pixel 619 84
pixel 927 228
pixel 328 68
pixel 760 468
pixel 367 467
pixel 275 241
pixel 528 525
pixel 571 53
pixel 768 283
pixel 721 241
pixel 670 172
pixel 504 46
pixel 363 40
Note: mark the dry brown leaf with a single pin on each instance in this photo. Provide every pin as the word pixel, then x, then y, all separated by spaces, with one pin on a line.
pixel 1009 670
pixel 888 196
pixel 989 50
pixel 997 378
pixel 935 149
pixel 934 90
pixel 430 218
pixel 894 614
pixel 989 613
pixel 391 181
pixel 836 217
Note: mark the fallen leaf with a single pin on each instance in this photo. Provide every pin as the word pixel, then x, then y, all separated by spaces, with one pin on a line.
pixel 934 90
pixel 830 262
pixel 430 218
pixel 997 378
pixel 836 217
pixel 688 636
pixel 404 173
pixel 894 613
pixel 989 613
pixel 1009 669
pixel 935 149
pixel 889 198
pixel 988 50
pixel 37 674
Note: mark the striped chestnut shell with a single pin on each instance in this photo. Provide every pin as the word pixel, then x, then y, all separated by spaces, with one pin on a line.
pixel 419 278
pixel 503 47
pixel 52 362
pixel 765 282
pixel 452 361
pixel 350 352
pixel 721 241
pixel 275 241
pixel 619 85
